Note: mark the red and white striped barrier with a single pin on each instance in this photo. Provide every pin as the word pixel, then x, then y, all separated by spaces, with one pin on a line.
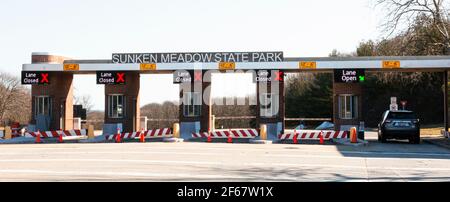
pixel 200 135
pixel 15 131
pixel 155 133
pixel 313 135
pixel 237 133
pixel 57 133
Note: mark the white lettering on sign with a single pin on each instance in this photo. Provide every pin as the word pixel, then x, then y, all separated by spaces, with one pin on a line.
pixel 348 73
pixel 348 76
pixel 106 80
pixel 30 81
pixel 197 57
pixel 30 74
pixel 106 74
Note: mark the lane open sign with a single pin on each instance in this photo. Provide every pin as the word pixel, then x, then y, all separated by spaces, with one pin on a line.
pixel 110 77
pixel 35 78
pixel 349 75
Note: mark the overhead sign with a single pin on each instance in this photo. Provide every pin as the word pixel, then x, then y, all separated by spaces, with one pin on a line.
pixel 267 76
pixel 391 64
pixel 183 76
pixel 147 66
pixel 71 67
pixel 201 57
pixel 110 77
pixel 33 78
pixel 308 65
pixel 349 75
pixel 227 65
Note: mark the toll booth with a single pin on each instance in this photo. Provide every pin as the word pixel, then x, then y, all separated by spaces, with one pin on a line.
pixel 195 99
pixel 347 98
pixel 122 106
pixel 51 94
pixel 270 101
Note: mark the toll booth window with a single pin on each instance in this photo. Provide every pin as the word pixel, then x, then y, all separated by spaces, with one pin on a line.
pixel 116 106
pixel 42 105
pixel 192 103
pixel 269 105
pixel 348 106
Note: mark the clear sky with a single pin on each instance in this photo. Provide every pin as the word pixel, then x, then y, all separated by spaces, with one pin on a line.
pixel 90 29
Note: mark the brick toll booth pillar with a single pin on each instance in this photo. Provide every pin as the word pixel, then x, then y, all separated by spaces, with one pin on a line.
pixel 52 100
pixel 195 109
pixel 347 105
pixel 270 105
pixel 122 107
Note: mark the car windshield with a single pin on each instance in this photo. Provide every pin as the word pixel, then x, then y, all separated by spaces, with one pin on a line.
pixel 401 115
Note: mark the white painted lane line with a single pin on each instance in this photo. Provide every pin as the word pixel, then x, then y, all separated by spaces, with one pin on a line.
pixel 119 173
pixel 396 153
pixel 158 175
pixel 263 164
pixel 291 154
pixel 193 154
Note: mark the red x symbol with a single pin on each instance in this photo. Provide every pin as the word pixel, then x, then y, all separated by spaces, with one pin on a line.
pixel 44 77
pixel 197 76
pixel 120 78
pixel 279 76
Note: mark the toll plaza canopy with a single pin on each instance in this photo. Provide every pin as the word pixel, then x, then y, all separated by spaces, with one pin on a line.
pixel 52 91
pixel 276 62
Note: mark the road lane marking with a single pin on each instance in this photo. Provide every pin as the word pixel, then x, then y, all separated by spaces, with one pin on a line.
pixel 311 153
pixel 263 164
pixel 114 174
pixel 193 154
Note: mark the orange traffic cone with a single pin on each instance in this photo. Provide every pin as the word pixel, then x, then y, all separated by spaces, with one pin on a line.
pixel 141 137
pixel 38 137
pixel 321 137
pixel 209 138
pixel 353 137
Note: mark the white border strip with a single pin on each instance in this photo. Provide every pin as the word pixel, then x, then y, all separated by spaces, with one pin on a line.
pixel 321 65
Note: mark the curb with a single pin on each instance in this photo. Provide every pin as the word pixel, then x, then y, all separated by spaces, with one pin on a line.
pixel 173 139
pixel 260 142
pixel 347 142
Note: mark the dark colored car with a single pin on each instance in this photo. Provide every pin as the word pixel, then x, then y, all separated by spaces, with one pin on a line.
pixel 400 124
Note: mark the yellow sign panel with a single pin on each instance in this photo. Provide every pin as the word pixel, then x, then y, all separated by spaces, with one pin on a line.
pixel 391 64
pixel 148 66
pixel 227 66
pixel 308 65
pixel 71 67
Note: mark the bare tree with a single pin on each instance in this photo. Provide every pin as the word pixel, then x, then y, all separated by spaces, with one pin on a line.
pixel 85 100
pixel 15 100
pixel 406 12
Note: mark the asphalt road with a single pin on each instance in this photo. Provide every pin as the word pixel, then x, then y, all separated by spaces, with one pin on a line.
pixel 395 161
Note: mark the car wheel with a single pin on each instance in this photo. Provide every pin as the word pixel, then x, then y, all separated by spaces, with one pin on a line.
pixel 416 139
pixel 381 138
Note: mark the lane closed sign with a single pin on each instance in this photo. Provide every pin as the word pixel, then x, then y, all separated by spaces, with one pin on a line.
pixel 349 75
pixel 110 77
pixel 35 78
